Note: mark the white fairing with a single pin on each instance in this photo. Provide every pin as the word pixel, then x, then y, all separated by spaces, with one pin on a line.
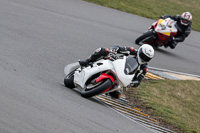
pixel 166 26
pixel 71 67
pixel 117 67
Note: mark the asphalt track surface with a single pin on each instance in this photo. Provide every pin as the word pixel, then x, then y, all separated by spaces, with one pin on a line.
pixel 38 38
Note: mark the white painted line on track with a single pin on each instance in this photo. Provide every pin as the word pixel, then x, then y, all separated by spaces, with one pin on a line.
pixel 166 70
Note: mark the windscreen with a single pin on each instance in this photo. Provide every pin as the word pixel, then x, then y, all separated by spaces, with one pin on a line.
pixel 131 65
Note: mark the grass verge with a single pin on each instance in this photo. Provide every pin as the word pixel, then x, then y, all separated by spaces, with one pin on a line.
pixel 155 8
pixel 175 103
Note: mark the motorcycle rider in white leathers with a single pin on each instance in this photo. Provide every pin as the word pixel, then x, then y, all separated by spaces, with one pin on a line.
pixel 143 55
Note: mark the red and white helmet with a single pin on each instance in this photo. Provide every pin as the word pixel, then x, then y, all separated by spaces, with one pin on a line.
pixel 186 18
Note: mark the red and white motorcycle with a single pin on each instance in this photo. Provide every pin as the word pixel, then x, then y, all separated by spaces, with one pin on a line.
pixel 103 76
pixel 159 33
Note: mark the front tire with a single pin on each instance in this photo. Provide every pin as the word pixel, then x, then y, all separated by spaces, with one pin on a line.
pixel 69 80
pixel 146 37
pixel 97 89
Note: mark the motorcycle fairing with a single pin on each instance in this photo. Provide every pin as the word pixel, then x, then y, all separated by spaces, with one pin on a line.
pixel 166 27
pixel 71 67
pixel 81 76
pixel 117 67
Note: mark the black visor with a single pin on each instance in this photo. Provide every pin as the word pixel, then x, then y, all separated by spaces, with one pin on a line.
pixel 143 56
pixel 185 21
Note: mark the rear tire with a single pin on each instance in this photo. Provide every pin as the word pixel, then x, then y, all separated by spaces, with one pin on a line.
pixel 146 37
pixel 69 80
pixel 86 93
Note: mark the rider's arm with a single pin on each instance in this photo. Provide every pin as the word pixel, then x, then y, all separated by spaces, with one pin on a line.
pixel 139 75
pixel 188 31
pixel 165 16
pixel 182 37
pixel 176 17
pixel 127 50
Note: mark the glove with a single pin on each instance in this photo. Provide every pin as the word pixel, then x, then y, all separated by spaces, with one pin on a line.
pixel 173 39
pixel 165 16
pixel 134 83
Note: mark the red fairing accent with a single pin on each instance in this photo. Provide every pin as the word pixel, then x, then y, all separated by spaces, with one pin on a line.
pixel 104 76
pixel 155 24
pixel 146 69
pixel 106 50
pixel 173 34
pixel 162 37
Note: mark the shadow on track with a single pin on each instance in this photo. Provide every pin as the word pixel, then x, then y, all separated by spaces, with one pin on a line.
pixel 168 53
pixel 77 91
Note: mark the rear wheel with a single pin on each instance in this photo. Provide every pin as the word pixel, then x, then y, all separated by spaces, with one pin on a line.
pixel 147 37
pixel 93 89
pixel 69 80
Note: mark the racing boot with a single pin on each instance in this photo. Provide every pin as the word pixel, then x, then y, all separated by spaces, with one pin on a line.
pixel 166 45
pixel 84 62
pixel 99 53
pixel 173 44
pixel 115 94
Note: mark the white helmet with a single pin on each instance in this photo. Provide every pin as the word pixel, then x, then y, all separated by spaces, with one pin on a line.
pixel 145 53
pixel 186 18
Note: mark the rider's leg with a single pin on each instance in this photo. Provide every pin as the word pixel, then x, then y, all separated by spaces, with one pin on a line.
pixel 99 53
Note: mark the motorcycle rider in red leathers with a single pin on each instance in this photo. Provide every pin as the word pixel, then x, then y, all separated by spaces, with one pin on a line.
pixel 184 22
pixel 143 55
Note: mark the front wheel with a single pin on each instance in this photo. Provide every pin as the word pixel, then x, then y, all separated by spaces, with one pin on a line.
pixel 97 88
pixel 69 80
pixel 147 37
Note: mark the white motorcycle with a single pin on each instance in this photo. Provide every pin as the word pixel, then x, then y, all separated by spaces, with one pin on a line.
pixel 103 76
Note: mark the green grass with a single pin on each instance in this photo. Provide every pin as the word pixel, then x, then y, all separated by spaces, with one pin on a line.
pixel 174 102
pixel 155 8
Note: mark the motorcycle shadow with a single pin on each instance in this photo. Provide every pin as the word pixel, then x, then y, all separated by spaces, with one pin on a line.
pixel 168 53
pixel 77 92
